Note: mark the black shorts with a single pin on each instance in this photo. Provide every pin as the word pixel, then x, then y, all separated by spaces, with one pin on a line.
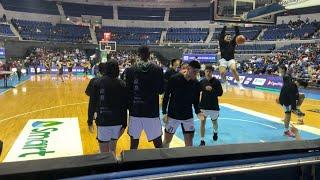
pixel 70 69
pixel 60 71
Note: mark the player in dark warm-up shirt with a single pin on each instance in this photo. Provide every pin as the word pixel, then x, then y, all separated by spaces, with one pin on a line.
pixel 290 99
pixel 209 104
pixel 110 101
pixel 174 69
pixel 89 90
pixel 227 49
pixel 182 92
pixel 145 83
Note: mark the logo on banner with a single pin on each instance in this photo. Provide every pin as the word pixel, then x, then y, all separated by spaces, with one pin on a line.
pixel 259 81
pixel 248 80
pixel 274 84
pixel 41 139
pixel 241 79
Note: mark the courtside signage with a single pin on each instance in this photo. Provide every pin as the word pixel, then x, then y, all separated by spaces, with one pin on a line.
pixel 47 138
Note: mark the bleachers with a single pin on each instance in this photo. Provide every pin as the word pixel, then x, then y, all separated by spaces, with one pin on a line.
pixel 74 9
pixel 5 30
pixel 45 31
pixel 31 6
pixel 250 33
pixel 134 13
pixel 255 48
pixel 131 35
pixel 189 14
pixel 284 31
pixel 187 34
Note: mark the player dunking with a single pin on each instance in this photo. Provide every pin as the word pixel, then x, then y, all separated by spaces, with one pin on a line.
pixel 209 104
pixel 227 48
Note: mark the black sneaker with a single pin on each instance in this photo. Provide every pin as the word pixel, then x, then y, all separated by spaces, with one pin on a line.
pixel 202 143
pixel 215 136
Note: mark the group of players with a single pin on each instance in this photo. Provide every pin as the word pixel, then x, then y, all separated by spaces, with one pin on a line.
pixel 144 82
pixel 69 64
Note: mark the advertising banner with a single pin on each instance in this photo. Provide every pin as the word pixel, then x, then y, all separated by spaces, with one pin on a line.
pixel 253 80
pixel 47 138
pixel 203 58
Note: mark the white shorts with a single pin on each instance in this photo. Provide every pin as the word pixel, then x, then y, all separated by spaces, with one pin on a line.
pixel 107 133
pixel 287 109
pixel 151 126
pixel 225 63
pixel 211 113
pixel 186 125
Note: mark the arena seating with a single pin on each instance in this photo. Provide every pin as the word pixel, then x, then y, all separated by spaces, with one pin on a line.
pixel 5 30
pixel 255 48
pixel 31 6
pixel 131 35
pixel 134 13
pixel 250 33
pixel 45 31
pixel 284 31
pixel 187 34
pixel 189 14
pixel 74 9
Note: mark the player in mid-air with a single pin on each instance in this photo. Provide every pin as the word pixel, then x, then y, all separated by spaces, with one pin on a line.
pixel 227 48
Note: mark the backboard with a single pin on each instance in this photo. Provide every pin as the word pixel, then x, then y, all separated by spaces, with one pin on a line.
pixel 233 11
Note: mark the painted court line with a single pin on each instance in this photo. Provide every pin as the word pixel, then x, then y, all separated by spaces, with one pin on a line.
pixel 270 118
pixel 15 86
pixel 53 107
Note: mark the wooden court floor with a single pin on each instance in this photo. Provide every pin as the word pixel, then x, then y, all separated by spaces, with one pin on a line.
pixel 43 97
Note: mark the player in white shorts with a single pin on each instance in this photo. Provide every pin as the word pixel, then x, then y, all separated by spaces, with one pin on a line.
pixel 227 49
pixel 109 100
pixel 182 92
pixel 145 83
pixel 209 104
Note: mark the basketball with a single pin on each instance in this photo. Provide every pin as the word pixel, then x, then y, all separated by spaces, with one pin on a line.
pixel 240 39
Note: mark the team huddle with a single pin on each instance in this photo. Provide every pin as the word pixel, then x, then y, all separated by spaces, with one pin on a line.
pixel 183 95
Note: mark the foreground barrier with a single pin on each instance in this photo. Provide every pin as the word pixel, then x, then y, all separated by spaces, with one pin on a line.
pixel 283 160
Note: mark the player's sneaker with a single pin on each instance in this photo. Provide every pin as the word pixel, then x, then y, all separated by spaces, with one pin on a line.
pixel 202 143
pixel 289 134
pixel 215 136
pixel 240 87
pixel 298 112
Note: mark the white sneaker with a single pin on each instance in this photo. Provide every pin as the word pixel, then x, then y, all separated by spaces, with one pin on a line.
pixel 240 87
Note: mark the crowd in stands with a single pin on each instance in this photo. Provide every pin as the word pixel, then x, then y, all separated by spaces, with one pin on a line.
pixel 38 57
pixel 127 58
pixel 302 61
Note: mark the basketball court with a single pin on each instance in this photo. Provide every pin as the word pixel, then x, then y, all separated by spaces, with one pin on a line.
pixel 246 116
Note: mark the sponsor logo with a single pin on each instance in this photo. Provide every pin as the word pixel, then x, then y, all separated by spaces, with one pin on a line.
pixel 259 81
pixel 47 138
pixel 274 84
